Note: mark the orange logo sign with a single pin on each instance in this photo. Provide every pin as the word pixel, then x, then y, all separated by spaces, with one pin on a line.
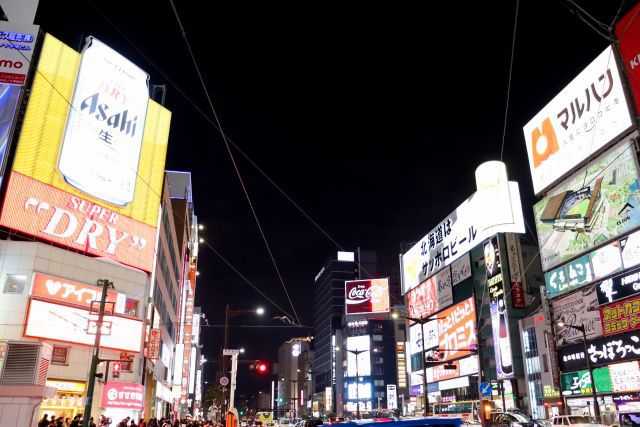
pixel 543 142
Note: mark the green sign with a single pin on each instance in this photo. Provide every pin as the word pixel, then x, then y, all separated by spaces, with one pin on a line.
pixel 579 383
pixel 570 276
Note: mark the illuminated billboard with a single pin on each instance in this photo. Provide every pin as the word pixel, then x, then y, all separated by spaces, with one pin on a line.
pixel 359 343
pixel 59 322
pixel 486 212
pixel 9 97
pixel 584 117
pixel 621 316
pixel 457 329
pixel 577 310
pixel 366 296
pixel 498 308
pixel 89 176
pixel 596 204
pixel 123 395
pixel 363 392
pixel 74 293
pixel 17 42
pixel 431 295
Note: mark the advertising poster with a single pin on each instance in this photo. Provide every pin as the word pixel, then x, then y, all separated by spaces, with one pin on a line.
pixel 563 134
pixel 630 247
pixel 16 51
pixel 606 260
pixel 392 396
pixel 594 205
pixel 622 316
pixel 444 289
pixel 460 269
pixel 9 98
pixel 422 301
pixel 487 212
pixel 578 309
pixel 625 377
pixel 619 287
pixel 70 324
pixel 366 296
pixel 90 177
pixel 570 276
pixel 579 383
pixel 359 343
pixel 457 329
pixel 498 307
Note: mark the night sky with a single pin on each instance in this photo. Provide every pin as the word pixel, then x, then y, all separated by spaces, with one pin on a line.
pixel 372 119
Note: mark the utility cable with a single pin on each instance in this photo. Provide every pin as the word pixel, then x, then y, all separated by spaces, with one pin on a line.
pixel 231 157
pixel 506 107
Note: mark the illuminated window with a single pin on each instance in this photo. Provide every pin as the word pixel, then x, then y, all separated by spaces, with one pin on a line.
pixel 14 284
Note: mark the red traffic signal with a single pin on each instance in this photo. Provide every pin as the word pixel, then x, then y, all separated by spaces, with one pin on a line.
pixel 262 368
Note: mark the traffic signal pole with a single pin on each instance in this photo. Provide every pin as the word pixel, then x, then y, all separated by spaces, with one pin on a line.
pixel 95 359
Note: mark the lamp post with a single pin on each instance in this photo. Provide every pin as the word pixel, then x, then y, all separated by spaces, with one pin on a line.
pixel 421 321
pixel 357 353
pixel 228 313
pixel 596 406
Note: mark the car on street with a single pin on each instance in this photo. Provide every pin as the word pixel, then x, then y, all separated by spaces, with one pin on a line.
pixel 542 423
pixel 575 421
pixel 510 419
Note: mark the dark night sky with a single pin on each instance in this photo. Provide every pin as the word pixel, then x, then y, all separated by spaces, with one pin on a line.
pixel 372 119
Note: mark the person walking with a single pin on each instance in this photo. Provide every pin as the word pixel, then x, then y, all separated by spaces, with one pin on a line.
pixel 44 422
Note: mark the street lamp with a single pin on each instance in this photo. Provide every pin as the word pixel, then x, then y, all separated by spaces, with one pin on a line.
pixel 421 321
pixel 596 406
pixel 357 353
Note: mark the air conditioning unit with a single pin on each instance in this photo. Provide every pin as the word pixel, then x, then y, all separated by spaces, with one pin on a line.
pixel 26 363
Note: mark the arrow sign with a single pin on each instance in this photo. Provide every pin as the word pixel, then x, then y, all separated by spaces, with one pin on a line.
pixel 485 389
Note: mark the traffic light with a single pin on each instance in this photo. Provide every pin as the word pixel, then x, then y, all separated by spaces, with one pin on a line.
pixel 262 368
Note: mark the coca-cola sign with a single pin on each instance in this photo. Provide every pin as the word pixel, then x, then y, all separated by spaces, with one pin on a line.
pixel 366 296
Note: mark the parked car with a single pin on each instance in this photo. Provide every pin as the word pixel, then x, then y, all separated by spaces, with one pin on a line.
pixel 314 422
pixel 471 423
pixel 543 423
pixel 510 419
pixel 575 421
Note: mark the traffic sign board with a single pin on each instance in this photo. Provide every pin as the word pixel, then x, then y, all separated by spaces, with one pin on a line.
pixel 485 389
pixel 230 352
pixel 224 381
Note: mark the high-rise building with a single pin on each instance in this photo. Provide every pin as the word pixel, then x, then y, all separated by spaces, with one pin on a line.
pixel 329 309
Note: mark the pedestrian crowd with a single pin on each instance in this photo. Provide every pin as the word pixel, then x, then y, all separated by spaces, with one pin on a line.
pixel 126 422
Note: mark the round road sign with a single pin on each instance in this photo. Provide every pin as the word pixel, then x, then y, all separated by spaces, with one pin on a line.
pixel 224 381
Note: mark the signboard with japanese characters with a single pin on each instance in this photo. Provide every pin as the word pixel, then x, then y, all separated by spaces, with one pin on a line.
pixel 74 293
pixel 123 395
pixel 460 269
pixel 485 213
pixel 444 290
pixel 621 316
pixel 570 276
pixel 601 351
pixel 514 256
pixel 579 383
pixel 619 287
pixel 462 367
pixel 432 295
pixel 154 344
pixel 584 117
pixel 625 377
pixel 594 205
pixel 16 50
pixel 457 329
pixel 578 309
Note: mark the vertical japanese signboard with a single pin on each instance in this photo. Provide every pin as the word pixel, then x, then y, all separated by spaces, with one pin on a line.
pixel 498 307
pixel 516 270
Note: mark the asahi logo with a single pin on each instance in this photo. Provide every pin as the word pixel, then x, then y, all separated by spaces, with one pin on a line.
pixel 118 121
pixel 359 294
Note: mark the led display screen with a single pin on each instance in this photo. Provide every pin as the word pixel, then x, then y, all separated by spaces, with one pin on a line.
pixel 364 359
pixel 366 296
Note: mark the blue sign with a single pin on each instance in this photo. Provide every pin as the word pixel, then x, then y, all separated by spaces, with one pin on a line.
pixel 485 389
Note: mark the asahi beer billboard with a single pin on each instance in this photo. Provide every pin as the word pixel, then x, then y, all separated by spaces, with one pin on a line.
pixel 598 203
pixel 89 175
pixel 578 309
pixel 584 117
pixel 366 296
